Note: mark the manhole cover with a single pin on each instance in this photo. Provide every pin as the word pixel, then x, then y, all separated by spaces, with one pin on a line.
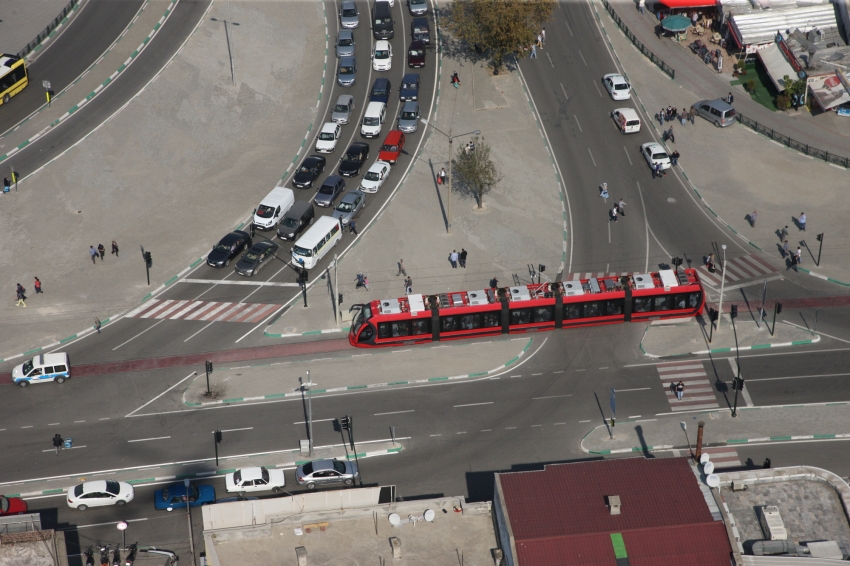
pixel 671 199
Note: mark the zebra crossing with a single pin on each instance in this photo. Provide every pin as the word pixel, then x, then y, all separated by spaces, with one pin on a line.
pixel 203 311
pixel 723 457
pixel 699 391
pixel 737 270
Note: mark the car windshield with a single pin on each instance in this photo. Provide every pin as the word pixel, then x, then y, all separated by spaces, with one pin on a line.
pixel 346 42
pixel 420 29
pixel 370 121
pixel 339 466
pixel 290 222
pixel 265 211
pixel 379 21
pixel 345 207
pixel 113 487
pixel 237 477
pixel 297 250
pixel 387 147
pixel 341 108
pixel 415 53
pixel 408 115
pixel 349 12
pixel 308 468
pixel 372 176
pixel 660 156
pixel 251 256
pixel 4 504
pixel 27 367
pixel 382 54
pixel 345 70
pixel 326 190
pixel 326 136
pixel 78 490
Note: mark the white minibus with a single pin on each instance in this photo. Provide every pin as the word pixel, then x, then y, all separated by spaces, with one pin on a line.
pixel 324 234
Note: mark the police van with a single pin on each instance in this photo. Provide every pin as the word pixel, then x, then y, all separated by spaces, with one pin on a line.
pixel 42 368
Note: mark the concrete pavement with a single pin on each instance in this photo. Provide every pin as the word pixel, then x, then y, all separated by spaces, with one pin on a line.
pixel 23 21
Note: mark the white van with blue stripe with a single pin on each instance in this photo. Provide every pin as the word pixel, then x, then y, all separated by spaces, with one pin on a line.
pixel 42 368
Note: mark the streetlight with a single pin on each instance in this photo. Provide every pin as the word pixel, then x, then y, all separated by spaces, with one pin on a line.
pixel 451 139
pixel 308 387
pixel 722 283
pixel 122 526
pixel 229 51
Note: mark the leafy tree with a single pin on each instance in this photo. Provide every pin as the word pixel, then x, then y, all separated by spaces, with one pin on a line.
pixel 499 26
pixel 476 170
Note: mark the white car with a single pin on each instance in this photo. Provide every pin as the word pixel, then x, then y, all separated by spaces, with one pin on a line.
pixel 375 177
pixel 326 142
pixel 655 153
pixel 99 493
pixel 249 480
pixel 617 86
pixel 382 56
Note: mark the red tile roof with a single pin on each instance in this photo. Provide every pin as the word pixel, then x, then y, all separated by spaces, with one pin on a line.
pixel 559 515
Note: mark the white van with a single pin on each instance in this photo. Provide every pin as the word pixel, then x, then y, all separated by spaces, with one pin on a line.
pixel 627 120
pixel 373 119
pixel 273 208
pixel 42 368
pixel 324 234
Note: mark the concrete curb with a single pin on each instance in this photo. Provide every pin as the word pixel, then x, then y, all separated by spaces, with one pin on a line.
pixel 346 388
pixel 36 51
pixel 727 350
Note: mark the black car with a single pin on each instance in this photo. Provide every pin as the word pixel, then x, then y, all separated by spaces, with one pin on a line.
pixel 421 30
pixel 380 91
pixel 229 247
pixel 416 54
pixel 409 87
pixel 297 218
pixel 254 259
pixel 308 171
pixel 354 159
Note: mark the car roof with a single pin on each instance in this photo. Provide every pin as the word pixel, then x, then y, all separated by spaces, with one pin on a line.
pixel 346 61
pixel 313 157
pixel 94 485
pixel 382 44
pixel 351 195
pixel 378 165
pixel 410 77
pixel 358 146
pixel 252 473
pixel 614 76
pixel 298 209
pixel 719 103
pixel 420 21
pixel 380 82
pixel 235 235
pixel 417 43
pixel 322 465
pixel 348 4
pixel 654 146
pixel 411 103
pixel 346 34
pixel 53 359
pixel 332 180
pixel 344 98
pixel 330 127
pixel 394 135
pixel 629 113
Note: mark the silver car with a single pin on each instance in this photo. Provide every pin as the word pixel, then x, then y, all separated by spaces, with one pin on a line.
pixel 719 112
pixel 348 15
pixel 349 206
pixel 408 118
pixel 345 43
pixel 326 472
pixel 346 74
pixel 342 109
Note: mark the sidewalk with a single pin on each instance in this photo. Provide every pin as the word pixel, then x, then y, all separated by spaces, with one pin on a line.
pixel 752 425
pixel 23 21
pixel 733 171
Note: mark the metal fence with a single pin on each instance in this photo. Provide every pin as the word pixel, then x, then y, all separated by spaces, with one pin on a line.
pixel 794 144
pixel 641 47
pixel 48 30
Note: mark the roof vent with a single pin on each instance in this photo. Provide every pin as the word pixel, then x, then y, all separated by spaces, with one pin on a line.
pixel 614 504
pixel 771 523
pixel 520 294
pixel 643 281
pixel 573 288
pixel 390 306
pixel 417 304
pixel 477 298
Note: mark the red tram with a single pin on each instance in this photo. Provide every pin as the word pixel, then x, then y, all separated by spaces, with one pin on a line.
pixel 638 297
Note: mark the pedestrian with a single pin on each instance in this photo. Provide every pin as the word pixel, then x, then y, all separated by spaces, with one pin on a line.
pixel 37 285
pixel 543 35
pixel 641 6
pixel 58 441
pixel 674 158
pixel 401 268
pixel 97 324
pixel 352 227
pixel 462 258
pixel 101 251
pixel 655 172
pixel 621 207
pixel 19 292
pixel 408 286
pixel 683 117
pixel 661 117
pixel 455 80
pixel 453 257
pixel 603 190
pixel 93 254
pixel 494 283
pixel 533 51
pixel 115 248
pixel 799 255
pixel 792 264
pixel 6 184
pixel 539 41
pixel 612 215
pixel 783 233
pixel 710 263
pixel 802 221
pixel 785 249
pixel 680 390
pixel 753 215
pixel 670 135
pixel 693 115
pixel 730 99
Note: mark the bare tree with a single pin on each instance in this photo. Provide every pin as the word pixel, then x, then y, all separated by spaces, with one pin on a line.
pixel 475 169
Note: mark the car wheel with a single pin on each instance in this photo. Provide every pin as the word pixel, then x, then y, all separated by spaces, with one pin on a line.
pixel 349 482
pixel 23 383
pixel 120 503
pixel 59 379
pixel 717 123
pixel 276 490
pixel 82 507
pixel 311 485
pixel 226 263
pixel 6 99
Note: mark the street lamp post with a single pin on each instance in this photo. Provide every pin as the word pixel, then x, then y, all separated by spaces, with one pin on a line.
pixel 722 284
pixel 308 387
pixel 229 50
pixel 451 139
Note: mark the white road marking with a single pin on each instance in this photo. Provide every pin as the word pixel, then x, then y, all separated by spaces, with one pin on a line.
pixel 394 413
pixel 564 91
pixel 584 421
pixel 486 430
pixel 238 282
pixel 577 123
pixel 591 157
pixel 473 404
pixel 235 429
pixel 551 397
pixel 636 389
pixel 634 417
pixel 582 57
pixel 510 427
pixel 71 448
pixel 158 396
pixel 628 156
pixel 568 27
pixel 316 421
pixel 550 60
pixel 147 439
pixel 137 335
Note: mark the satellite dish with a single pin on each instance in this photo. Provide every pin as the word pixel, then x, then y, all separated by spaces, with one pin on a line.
pixel 395 520
pixel 704 458
pixel 713 480
pixel 708 468
pixel 429 515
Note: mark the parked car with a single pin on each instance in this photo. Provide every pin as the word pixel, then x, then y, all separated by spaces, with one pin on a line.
pixel 345 43
pixel 354 159
pixel 330 189
pixel 99 493
pixel 409 89
pixel 254 259
pixel 655 153
pixel 382 56
pixel 349 206
pixel 420 29
pixel 249 480
pixel 719 112
pixel 393 145
pixel 346 74
pixel 617 86
pixel 416 54
pixel 375 177
pixel 297 218
pixel 417 7
pixel 309 171
pixel 174 496
pixel 328 136
pixel 408 118
pixel 349 17
pixel 380 91
pixel 227 248
pixel 326 472
pixel 343 109
pixel 12 505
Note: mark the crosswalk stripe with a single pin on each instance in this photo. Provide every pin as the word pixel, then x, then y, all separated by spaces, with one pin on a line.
pixel 141 308
pixel 215 311
pixel 187 309
pixel 662 369
pixel 160 306
pixel 257 316
pixel 173 308
pixel 244 313
pixel 202 310
pixel 197 313
pixel 675 408
pixel 227 313
pixel 681 375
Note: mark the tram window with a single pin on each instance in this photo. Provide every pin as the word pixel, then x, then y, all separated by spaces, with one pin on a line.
pixel 680 302
pixel 384 330
pixel 543 314
pixel 693 300
pixel 614 307
pixel 366 334
pixel 448 323
pixel 642 304
pixel 469 322
pixel 490 320
pixel 401 328
pixel 592 309
pixel 663 303
pixel 572 311
pixel 521 316
pixel 421 326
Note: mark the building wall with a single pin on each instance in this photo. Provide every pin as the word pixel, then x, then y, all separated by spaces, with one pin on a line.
pixel 503 525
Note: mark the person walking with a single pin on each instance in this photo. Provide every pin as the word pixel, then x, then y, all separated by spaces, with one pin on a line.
pixel 441 176
pixel 408 286
pixel 539 41
pixel 455 80
pixel 621 207
pixel 494 283
pixel 783 233
pixel 58 441
pixel 603 190
pixel 19 292
pixel 792 264
pixel 670 135
pixel 93 254
pixel 785 249
pixel 543 35
pixel 680 390
pixel 115 248
pixel 661 116
pixel 612 215
pixel 101 251
pixel 401 268
pixel 684 116
pixel 753 215
pixel 655 170
pixel 462 258
pixel 37 285
pixel 352 227
pixel 802 221
pixel 453 257
pixel 693 114
pixel 730 99
pixel 641 6
pixel 97 324
pixel 799 255
pixel 533 51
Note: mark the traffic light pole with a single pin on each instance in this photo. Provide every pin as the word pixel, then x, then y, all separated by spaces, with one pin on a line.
pixel 147 265
pixel 777 308
pixel 738 361
pixel 820 247
pixel 354 448
pixel 216 440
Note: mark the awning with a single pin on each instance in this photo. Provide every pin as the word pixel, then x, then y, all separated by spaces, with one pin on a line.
pixel 761 27
pixel 830 90
pixel 689 3
pixel 777 66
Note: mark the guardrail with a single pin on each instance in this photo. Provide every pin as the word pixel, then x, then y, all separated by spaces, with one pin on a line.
pixel 788 141
pixel 641 47
pixel 45 33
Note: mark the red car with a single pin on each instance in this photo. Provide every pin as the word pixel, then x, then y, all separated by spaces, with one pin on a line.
pixel 12 505
pixel 392 146
pixel 416 54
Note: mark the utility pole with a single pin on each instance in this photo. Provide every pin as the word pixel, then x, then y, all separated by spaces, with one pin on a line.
pixel 339 295
pixel 722 284
pixel 820 248
pixel 738 383
pixel 308 387
pixel 188 485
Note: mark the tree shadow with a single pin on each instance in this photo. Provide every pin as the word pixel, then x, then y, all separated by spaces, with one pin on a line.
pixel 464 53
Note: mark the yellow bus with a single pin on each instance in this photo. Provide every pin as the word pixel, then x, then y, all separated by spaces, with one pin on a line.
pixel 13 76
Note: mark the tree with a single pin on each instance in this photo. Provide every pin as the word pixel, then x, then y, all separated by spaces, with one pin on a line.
pixel 499 26
pixel 475 169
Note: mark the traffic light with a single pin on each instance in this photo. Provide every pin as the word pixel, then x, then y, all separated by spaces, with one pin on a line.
pixel 820 237
pixel 734 312
pixel 734 384
pixel 713 315
pixel 340 298
pixel 148 259
pixel 303 275
pixel 778 308
pixel 541 268
pixel 217 436
pixel 345 423
pixel 209 367
pixel 740 383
